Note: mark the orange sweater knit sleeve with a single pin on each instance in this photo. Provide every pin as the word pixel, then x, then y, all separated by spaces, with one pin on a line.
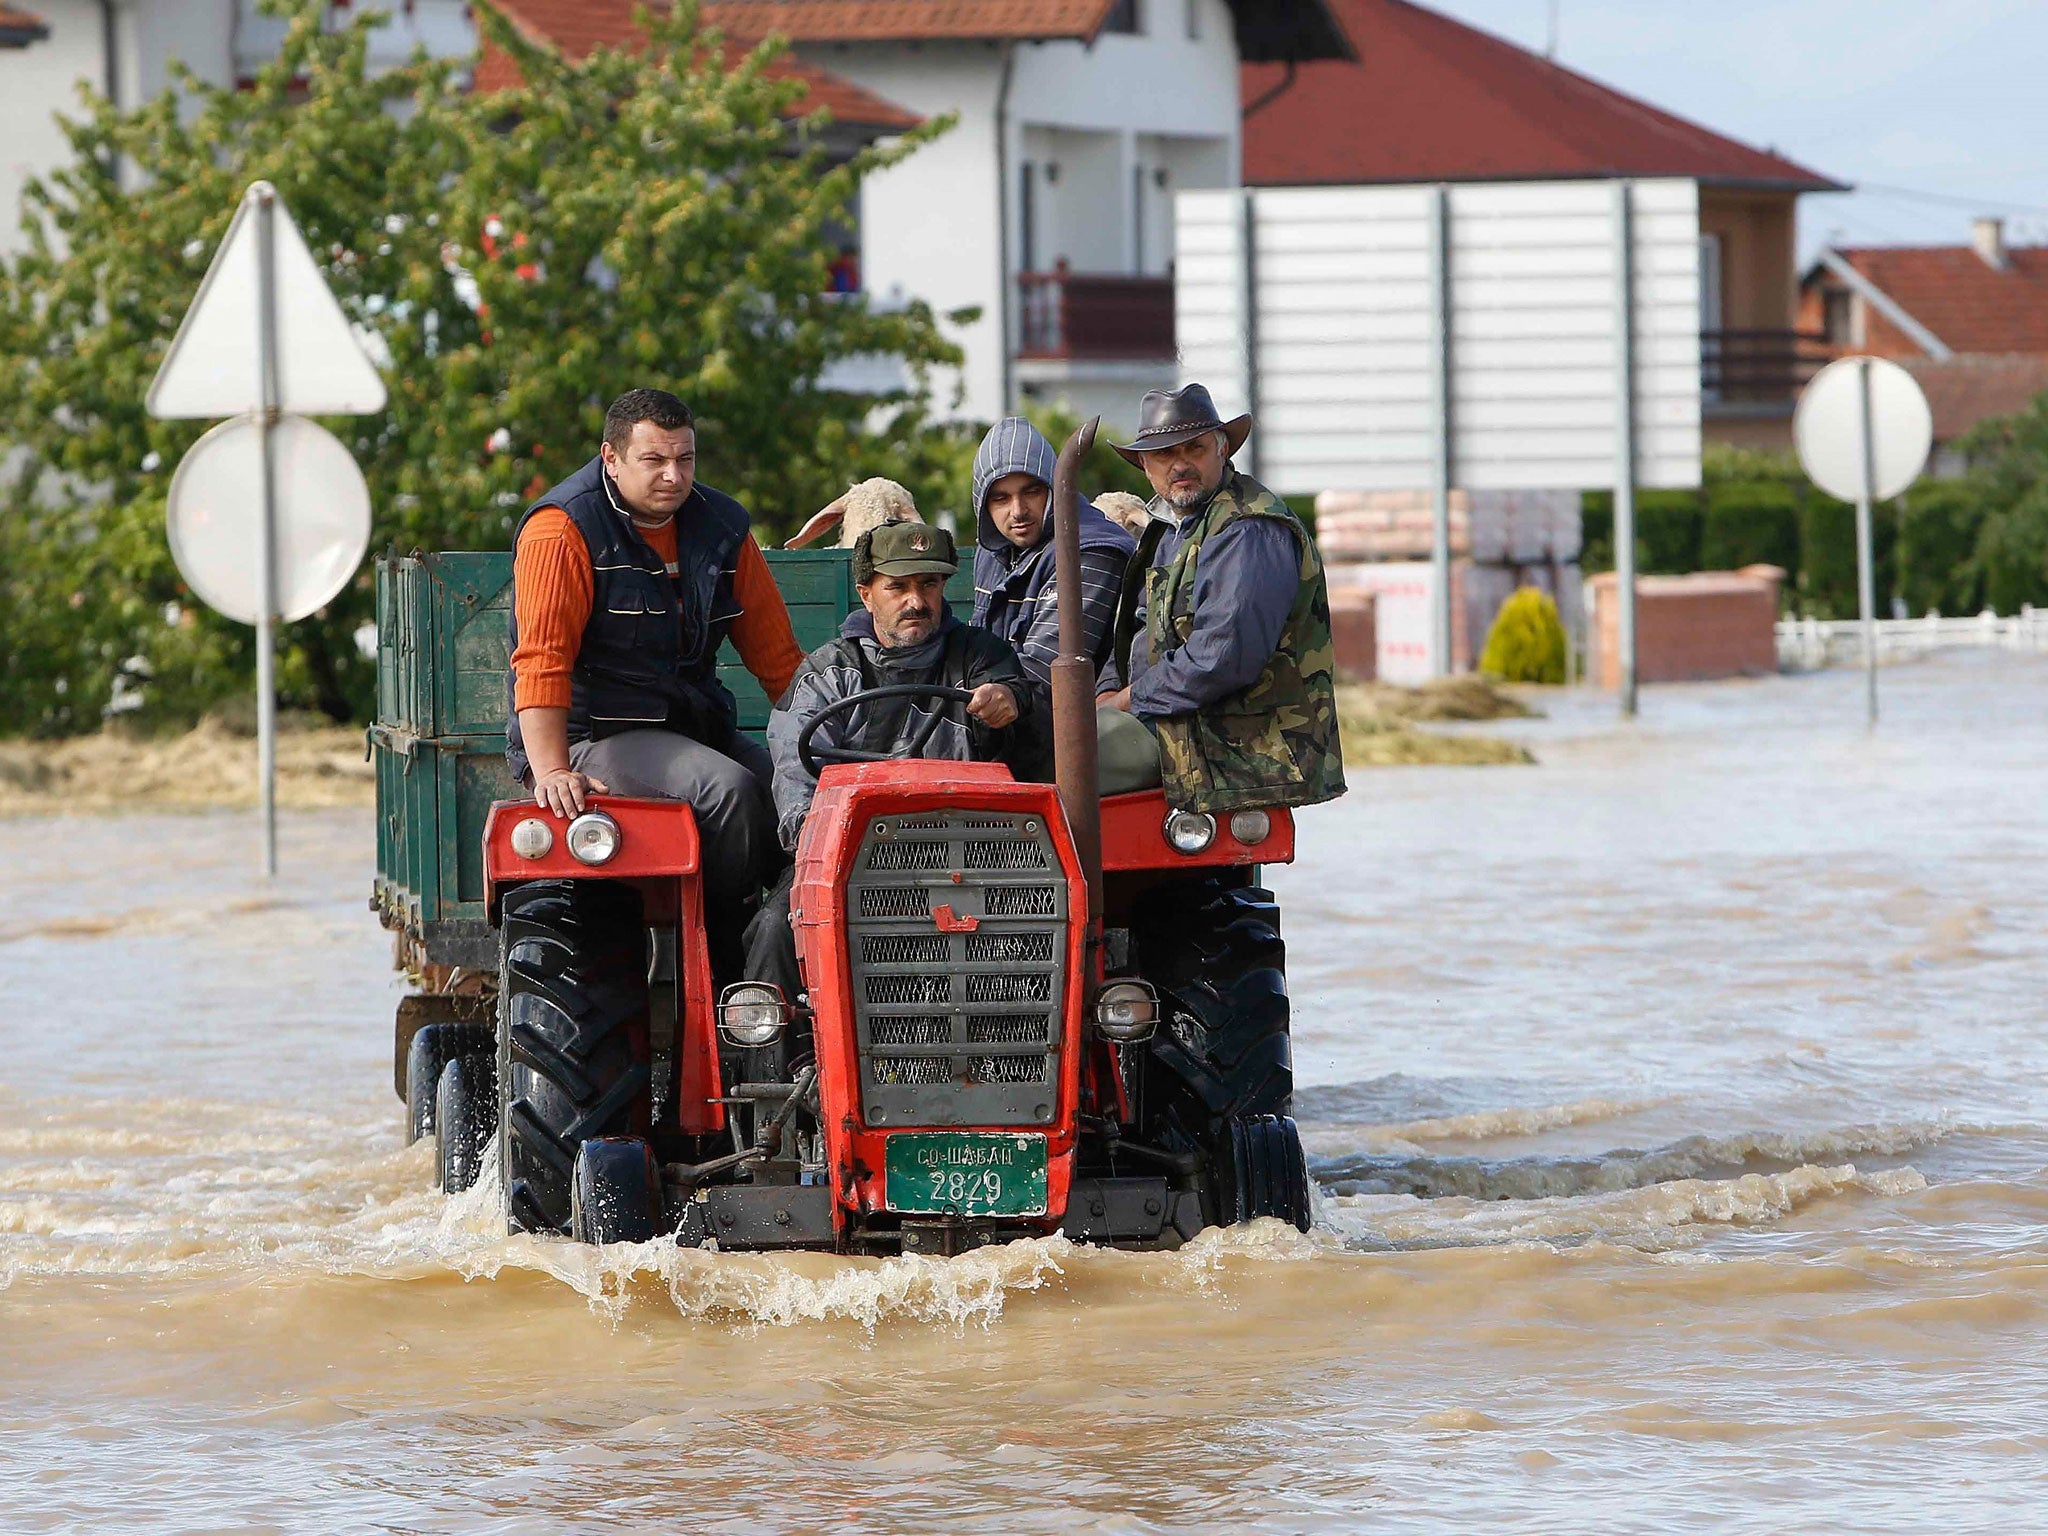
pixel 551 593
pixel 761 634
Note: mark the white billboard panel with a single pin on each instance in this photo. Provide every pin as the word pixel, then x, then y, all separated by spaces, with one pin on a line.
pixel 1341 309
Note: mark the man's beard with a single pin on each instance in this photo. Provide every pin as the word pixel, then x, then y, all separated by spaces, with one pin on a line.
pixel 1194 496
pixel 906 631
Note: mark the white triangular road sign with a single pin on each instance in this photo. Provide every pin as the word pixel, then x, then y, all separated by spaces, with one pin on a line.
pixel 215 367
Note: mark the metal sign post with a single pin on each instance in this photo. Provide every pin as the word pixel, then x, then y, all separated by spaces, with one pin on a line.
pixel 1440 467
pixel 1625 444
pixel 266 557
pixel 289 355
pixel 1863 430
pixel 1866 559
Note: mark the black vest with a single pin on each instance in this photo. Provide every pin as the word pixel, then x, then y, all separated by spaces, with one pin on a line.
pixel 648 659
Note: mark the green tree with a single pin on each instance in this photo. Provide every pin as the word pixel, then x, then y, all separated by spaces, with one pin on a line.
pixel 2009 476
pixel 646 216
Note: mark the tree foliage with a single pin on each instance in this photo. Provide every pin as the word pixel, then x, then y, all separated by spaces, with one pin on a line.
pixel 653 216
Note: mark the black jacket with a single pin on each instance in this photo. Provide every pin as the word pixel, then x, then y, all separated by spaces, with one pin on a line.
pixel 958 656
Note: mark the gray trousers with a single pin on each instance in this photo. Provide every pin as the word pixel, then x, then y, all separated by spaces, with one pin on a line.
pixel 729 793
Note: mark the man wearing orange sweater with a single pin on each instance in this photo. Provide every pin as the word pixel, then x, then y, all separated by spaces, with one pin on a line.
pixel 626 579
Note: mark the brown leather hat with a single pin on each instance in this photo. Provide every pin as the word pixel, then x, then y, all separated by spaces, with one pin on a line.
pixel 1169 416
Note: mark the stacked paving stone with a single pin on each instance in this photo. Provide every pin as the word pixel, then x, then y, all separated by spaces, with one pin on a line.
pixel 1380 541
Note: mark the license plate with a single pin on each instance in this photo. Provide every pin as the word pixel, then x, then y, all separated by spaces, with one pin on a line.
pixel 965 1173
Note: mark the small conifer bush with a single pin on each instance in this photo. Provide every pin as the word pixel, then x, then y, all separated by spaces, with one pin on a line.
pixel 1527 642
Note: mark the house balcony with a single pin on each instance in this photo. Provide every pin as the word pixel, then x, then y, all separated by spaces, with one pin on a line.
pixel 1757 373
pixel 1091 317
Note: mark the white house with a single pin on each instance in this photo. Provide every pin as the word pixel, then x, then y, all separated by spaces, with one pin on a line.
pixel 1047 210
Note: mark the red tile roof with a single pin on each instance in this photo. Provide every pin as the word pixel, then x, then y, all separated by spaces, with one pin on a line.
pixel 20 28
pixel 1961 297
pixel 577 27
pixel 1434 100
pixel 882 21
pixel 1965 390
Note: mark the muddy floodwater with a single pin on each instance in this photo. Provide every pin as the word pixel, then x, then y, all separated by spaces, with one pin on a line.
pixel 1678 1106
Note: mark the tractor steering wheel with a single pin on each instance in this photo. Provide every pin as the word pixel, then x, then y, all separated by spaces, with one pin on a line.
pixel 811 756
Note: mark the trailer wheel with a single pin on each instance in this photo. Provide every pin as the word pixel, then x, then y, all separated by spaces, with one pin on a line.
pixel 1222 1050
pixel 572 992
pixel 424 1060
pixel 1260 1170
pixel 615 1192
pixel 433 1047
pixel 465 1111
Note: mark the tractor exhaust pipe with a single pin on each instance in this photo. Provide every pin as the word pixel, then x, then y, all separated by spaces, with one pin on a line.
pixel 1073 683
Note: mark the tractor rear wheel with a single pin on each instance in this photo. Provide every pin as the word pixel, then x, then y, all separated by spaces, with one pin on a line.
pixel 1260 1170
pixel 465 1113
pixel 615 1193
pixel 572 995
pixel 1222 1049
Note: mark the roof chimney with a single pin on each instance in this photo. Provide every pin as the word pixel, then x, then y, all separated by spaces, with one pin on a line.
pixel 1988 235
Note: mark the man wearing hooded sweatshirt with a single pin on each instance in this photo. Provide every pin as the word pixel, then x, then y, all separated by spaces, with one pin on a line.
pixel 1014 591
pixel 902 633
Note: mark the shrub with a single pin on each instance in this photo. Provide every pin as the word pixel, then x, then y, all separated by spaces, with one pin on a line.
pixel 1750 522
pixel 1940 525
pixel 1667 532
pixel 1526 644
pixel 1827 556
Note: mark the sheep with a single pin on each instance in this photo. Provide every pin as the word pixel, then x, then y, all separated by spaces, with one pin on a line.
pixel 864 506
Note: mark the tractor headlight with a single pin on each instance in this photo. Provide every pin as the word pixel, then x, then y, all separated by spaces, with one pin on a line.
pixel 1127 1011
pixel 1190 831
pixel 593 838
pixel 1250 827
pixel 533 838
pixel 752 1012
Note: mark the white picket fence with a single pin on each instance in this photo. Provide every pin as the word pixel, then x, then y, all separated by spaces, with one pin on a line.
pixel 1809 643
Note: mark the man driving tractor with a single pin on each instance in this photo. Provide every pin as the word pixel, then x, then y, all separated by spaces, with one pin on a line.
pixel 903 635
pixel 627 578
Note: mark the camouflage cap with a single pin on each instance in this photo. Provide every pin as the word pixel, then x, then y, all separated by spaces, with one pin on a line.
pixel 904 549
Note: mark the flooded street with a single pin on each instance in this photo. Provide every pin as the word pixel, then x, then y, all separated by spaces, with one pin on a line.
pixel 1680 1107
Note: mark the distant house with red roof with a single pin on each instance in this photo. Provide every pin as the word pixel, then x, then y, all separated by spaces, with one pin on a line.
pixel 1429 99
pixel 1970 321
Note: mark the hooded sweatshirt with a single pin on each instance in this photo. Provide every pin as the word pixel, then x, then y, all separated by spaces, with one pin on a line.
pixel 1014 592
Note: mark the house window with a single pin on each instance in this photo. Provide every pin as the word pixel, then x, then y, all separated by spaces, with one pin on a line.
pixel 1836 308
pixel 1123 17
pixel 1138 218
pixel 1027 221
pixel 1710 283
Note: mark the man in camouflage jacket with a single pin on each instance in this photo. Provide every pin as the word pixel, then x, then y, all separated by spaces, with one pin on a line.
pixel 1223 641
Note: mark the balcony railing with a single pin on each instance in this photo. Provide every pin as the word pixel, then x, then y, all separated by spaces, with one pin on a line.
pixel 1094 317
pixel 1758 367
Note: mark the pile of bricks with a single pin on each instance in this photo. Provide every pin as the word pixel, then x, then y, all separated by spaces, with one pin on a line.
pixel 1379 542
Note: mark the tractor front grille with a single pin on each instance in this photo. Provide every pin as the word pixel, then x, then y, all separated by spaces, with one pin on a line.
pixel 956 933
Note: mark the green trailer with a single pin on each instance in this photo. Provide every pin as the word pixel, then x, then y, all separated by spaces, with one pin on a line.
pixel 439 740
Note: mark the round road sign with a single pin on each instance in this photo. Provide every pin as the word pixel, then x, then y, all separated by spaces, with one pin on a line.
pixel 1827 428
pixel 215 516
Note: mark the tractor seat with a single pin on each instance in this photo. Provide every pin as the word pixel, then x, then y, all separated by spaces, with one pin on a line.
pixel 1127 753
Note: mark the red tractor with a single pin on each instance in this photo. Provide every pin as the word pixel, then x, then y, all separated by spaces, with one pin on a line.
pixel 1027 1010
